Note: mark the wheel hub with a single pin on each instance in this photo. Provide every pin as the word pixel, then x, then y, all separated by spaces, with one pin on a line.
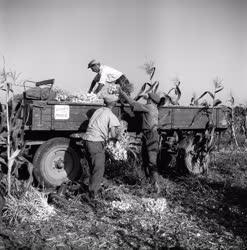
pixel 59 164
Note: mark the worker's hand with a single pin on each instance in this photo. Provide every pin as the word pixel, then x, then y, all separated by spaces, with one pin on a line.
pixel 113 133
pixel 120 91
pixel 145 96
pixel 125 96
pixel 114 140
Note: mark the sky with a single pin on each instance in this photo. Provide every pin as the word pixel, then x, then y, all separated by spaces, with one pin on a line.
pixel 192 40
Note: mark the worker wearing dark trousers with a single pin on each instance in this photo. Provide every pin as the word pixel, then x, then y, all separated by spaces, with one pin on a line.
pixel 150 114
pixel 95 152
pixel 101 127
pixel 150 142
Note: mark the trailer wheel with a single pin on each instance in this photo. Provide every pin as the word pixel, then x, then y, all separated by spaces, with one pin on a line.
pixel 193 163
pixel 56 161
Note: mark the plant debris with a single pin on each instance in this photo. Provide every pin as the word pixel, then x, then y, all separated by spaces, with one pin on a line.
pixel 207 212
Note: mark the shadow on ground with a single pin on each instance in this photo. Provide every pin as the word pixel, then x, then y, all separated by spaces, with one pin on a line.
pixel 218 200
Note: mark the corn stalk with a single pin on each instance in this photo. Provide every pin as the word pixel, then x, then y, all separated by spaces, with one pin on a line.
pixel 232 120
pixel 152 87
pixel 149 68
pixel 198 148
pixel 176 91
pixel 7 80
pixel 209 112
pixel 8 138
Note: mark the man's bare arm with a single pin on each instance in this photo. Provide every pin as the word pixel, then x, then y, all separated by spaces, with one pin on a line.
pixel 100 86
pixel 138 107
pixel 113 132
pixel 92 86
pixel 129 100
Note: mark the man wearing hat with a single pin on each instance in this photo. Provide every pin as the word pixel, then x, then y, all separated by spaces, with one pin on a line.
pixel 150 116
pixel 102 126
pixel 106 74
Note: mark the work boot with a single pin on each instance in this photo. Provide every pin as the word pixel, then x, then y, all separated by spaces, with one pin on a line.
pixel 83 188
pixel 85 197
pixel 92 195
pixel 88 197
pixel 94 202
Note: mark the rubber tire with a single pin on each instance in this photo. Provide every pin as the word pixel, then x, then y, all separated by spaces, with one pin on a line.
pixel 193 167
pixel 198 167
pixel 44 171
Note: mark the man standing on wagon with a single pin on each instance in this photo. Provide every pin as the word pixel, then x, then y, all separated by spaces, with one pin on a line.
pixel 150 115
pixel 107 75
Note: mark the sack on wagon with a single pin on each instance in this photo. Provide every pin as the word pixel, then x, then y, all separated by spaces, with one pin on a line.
pixel 37 93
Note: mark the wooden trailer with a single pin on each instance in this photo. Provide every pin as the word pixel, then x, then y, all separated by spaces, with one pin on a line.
pixel 50 128
pixel 73 117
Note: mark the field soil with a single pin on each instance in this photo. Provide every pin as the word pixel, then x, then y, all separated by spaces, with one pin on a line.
pixel 205 212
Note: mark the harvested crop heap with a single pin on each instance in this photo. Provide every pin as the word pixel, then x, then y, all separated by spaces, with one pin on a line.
pixel 80 98
pixel 32 208
pixel 91 98
pixel 118 150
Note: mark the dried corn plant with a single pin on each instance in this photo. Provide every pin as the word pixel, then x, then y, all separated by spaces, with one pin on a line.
pixel 6 85
pixel 13 146
pixel 240 124
pixel 32 207
pixel 166 98
pixel 215 102
pixel 208 108
pixel 124 147
pixel 152 87
pixel 232 119
pixel 194 100
pixel 149 68
pixel 199 148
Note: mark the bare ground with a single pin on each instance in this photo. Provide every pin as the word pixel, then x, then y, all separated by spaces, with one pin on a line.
pixel 207 212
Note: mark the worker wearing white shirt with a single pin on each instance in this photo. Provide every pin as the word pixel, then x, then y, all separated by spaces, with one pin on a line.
pixel 106 75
